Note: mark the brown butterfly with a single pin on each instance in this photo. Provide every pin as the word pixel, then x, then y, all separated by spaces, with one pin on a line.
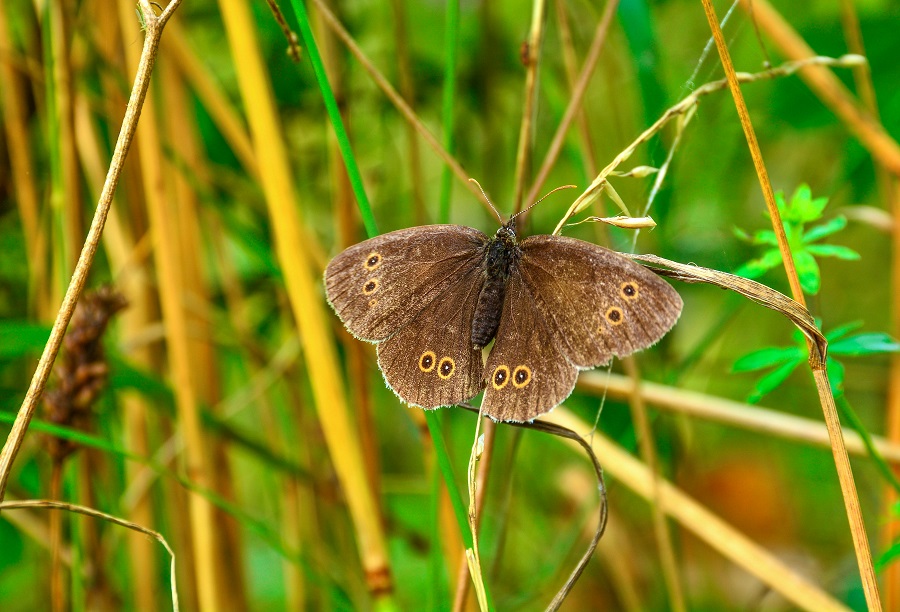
pixel 432 297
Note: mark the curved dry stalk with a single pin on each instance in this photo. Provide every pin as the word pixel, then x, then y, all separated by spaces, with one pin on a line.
pixel 685 108
pixel 54 505
pixel 818 346
pixel 709 527
pixel 154 27
pixel 481 478
pixel 569 433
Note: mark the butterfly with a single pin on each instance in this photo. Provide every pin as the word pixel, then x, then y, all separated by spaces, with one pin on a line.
pixel 432 297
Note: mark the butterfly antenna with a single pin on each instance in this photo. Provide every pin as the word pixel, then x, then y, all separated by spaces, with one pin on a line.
pixel 542 199
pixel 488 200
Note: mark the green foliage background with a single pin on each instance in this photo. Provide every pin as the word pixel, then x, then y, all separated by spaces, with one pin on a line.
pixel 782 493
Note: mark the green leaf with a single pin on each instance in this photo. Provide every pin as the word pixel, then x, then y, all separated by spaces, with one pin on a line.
pixel 835 376
pixel 18 338
pixel 888 556
pixel 808 271
pixel 771 381
pixel 842 330
pixel 766 237
pixel 741 234
pixel 757 267
pixel 826 229
pixel 803 208
pixel 833 250
pixel 865 344
pixel 766 358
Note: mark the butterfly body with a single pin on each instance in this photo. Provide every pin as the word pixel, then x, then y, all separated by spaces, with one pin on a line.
pixel 501 256
pixel 432 297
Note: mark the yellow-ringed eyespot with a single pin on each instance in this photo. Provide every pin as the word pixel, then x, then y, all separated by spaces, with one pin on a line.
pixel 446 368
pixel 500 377
pixel 372 302
pixel 427 361
pixel 521 376
pixel 615 315
pixel 371 286
pixel 629 290
pixel 373 260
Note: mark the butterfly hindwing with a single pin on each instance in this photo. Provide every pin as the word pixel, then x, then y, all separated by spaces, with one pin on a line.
pixel 597 302
pixel 430 362
pixel 526 373
pixel 378 286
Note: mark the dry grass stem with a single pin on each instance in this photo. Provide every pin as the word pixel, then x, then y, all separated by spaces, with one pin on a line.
pixel 729 412
pixel 575 99
pixel 481 481
pixel 308 308
pixel 817 362
pixel 647 448
pixel 154 28
pixel 530 55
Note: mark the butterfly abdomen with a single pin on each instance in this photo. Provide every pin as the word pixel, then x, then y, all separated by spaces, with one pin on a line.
pixel 501 255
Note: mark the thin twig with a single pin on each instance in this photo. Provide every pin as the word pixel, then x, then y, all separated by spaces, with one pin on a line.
pixel 531 57
pixel 154 27
pixel 685 107
pixel 584 78
pixel 396 99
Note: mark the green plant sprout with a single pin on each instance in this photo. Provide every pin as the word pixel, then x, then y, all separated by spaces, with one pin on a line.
pixel 786 359
pixel 801 210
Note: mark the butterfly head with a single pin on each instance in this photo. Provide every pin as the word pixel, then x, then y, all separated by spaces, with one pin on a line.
pixel 506 235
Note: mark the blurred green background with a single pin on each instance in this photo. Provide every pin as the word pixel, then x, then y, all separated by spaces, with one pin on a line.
pixel 284 537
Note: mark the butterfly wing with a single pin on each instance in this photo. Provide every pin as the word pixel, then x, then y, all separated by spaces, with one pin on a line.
pixel 414 293
pixel 527 373
pixel 378 286
pixel 431 362
pixel 596 302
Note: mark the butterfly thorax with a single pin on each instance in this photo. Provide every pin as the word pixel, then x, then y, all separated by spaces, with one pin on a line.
pixel 501 254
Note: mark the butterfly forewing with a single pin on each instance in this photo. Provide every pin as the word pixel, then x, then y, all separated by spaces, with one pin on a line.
pixel 526 373
pixel 378 286
pixel 597 303
pixel 430 362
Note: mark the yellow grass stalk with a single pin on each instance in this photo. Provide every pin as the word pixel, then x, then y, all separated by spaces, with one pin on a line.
pixel 216 103
pixel 830 90
pixel 161 209
pixel 695 517
pixel 15 124
pixel 68 200
pixel 647 448
pixel 531 55
pixel 344 207
pixel 181 141
pixel 304 292
pixel 753 418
